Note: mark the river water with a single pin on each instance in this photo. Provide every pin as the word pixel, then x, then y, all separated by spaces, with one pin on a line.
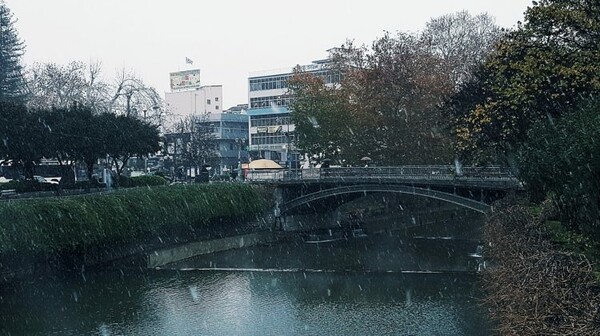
pixel 378 284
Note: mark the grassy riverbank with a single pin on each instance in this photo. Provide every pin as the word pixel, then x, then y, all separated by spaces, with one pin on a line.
pixel 43 226
pixel 536 286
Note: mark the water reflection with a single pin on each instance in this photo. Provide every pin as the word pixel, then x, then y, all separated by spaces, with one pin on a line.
pixel 350 287
pixel 243 303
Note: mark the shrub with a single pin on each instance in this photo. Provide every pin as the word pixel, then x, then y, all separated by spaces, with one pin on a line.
pixel 162 174
pixel 141 181
pixel 147 180
pixel 34 186
pixel 87 185
pixel 9 185
pixel 534 288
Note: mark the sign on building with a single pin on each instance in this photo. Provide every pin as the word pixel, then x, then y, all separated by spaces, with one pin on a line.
pixel 185 79
pixel 274 129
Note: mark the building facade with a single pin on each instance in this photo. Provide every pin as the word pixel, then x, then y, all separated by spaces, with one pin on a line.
pixel 207 124
pixel 271 129
pixel 225 133
pixel 196 101
pixel 230 133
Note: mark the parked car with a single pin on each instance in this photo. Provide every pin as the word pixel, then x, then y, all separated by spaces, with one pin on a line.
pixel 46 180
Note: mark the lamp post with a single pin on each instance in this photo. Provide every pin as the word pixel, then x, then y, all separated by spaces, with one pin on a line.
pixel 239 142
pixel 288 151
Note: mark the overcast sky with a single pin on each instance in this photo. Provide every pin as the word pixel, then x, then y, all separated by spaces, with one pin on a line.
pixel 226 39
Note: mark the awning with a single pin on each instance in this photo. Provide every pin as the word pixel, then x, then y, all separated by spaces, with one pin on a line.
pixel 264 164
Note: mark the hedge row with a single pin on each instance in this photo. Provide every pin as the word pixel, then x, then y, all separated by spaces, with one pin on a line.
pixel 124 182
pixel 142 181
pixel 50 225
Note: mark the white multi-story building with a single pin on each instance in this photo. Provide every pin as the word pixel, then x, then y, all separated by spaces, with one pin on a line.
pixel 271 129
pixel 197 101
pixel 188 97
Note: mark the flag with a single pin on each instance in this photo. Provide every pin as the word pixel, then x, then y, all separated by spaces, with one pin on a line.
pixel 188 61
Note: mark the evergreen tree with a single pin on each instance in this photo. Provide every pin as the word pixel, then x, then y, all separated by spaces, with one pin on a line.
pixel 11 49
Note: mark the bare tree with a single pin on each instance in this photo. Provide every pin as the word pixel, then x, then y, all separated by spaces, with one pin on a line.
pixel 62 86
pixel 197 141
pixel 131 97
pixel 78 83
pixel 96 89
pixel 462 40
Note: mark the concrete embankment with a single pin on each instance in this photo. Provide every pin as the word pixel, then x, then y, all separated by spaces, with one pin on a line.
pixel 169 255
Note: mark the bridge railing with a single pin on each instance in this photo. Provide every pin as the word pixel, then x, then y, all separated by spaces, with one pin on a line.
pixel 382 173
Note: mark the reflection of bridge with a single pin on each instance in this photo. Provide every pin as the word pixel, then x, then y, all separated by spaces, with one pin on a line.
pixel 473 187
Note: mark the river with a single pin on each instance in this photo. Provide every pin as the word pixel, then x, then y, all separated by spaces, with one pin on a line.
pixel 387 283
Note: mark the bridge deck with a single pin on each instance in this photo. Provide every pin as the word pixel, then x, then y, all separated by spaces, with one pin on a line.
pixel 491 178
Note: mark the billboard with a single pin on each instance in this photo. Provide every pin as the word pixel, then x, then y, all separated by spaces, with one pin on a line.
pixel 185 79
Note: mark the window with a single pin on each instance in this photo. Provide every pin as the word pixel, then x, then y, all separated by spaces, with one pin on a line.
pixel 216 107
pixel 208 101
pixel 269 120
pixel 269 83
pixel 271 139
pixel 216 99
pixel 269 101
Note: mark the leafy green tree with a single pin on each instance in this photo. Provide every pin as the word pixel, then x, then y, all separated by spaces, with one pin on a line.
pixel 129 137
pixel 23 137
pixel 403 84
pixel 540 70
pixel 385 106
pixel 562 159
pixel 322 117
pixel 61 128
pixel 92 146
pixel 8 113
pixel 76 134
pixel 474 132
pixel 11 49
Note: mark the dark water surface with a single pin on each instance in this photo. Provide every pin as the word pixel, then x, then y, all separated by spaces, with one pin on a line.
pixel 360 286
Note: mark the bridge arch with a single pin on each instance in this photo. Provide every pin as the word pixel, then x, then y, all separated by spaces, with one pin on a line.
pixel 402 189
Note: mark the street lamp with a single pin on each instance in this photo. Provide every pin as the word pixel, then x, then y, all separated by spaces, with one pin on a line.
pixel 239 142
pixel 287 151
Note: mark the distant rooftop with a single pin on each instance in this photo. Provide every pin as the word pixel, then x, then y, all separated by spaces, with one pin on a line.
pixel 322 61
pixel 211 117
pixel 239 108
pixel 313 66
